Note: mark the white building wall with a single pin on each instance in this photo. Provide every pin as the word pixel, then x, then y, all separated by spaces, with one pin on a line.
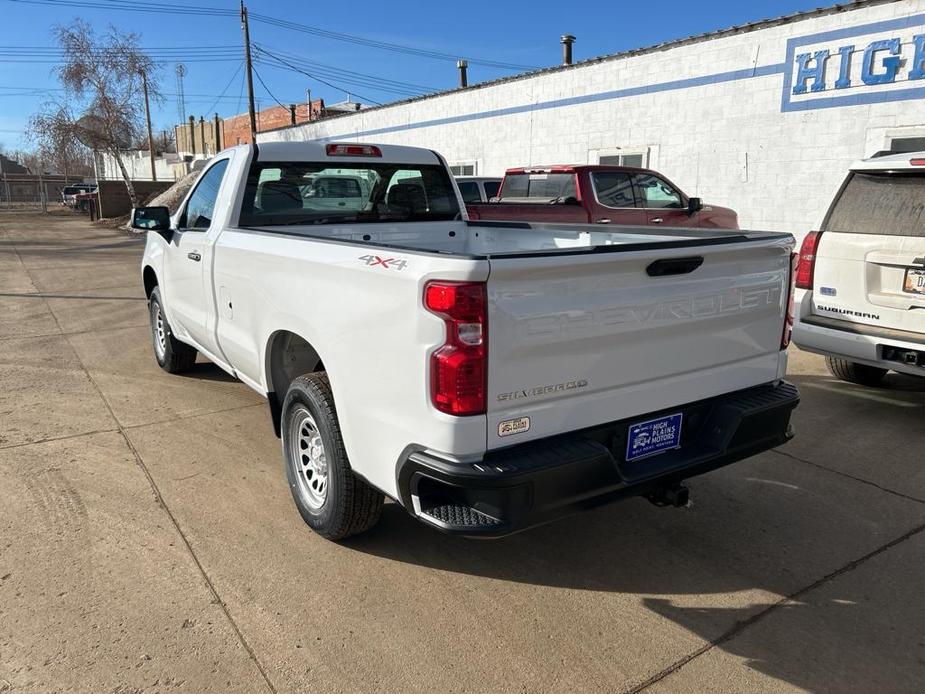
pixel 717 116
pixel 137 164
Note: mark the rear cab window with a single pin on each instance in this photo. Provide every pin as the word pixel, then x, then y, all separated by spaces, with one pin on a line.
pixel 288 193
pixel 542 186
pixel 881 203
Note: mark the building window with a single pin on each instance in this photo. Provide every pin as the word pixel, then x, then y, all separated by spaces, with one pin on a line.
pixel 464 168
pixel 636 158
pixel 902 145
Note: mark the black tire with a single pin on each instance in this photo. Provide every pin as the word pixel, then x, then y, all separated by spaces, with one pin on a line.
pixel 850 371
pixel 172 355
pixel 349 505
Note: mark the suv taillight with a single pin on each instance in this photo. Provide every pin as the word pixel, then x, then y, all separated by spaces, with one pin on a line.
pixel 788 319
pixel 807 265
pixel 459 368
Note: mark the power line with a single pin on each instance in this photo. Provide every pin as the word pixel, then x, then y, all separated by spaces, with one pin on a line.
pixel 266 88
pixel 345 83
pixel 167 8
pixel 314 77
pixel 222 95
pixel 374 80
pixel 157 7
pixel 383 45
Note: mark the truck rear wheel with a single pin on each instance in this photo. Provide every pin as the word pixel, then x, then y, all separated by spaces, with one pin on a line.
pixel 850 371
pixel 332 500
pixel 172 355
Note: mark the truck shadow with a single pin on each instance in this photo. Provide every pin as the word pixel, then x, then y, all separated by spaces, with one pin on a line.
pixel 204 370
pixel 760 530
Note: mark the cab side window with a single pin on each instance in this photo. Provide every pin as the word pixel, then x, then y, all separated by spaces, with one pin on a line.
pixel 614 189
pixel 201 205
pixel 655 192
pixel 470 191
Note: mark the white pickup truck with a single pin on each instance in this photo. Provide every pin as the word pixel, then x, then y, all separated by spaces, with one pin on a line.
pixel 488 377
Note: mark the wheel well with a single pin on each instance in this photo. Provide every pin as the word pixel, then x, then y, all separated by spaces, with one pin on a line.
pixel 150 280
pixel 288 357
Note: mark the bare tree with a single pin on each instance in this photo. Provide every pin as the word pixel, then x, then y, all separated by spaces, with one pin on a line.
pixel 104 75
pixel 58 146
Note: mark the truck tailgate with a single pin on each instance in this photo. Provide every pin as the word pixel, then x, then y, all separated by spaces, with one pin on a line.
pixel 580 339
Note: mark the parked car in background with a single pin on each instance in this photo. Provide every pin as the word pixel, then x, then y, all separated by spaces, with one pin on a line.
pixel 478 188
pixel 599 194
pixel 488 377
pixel 861 277
pixel 69 193
pixel 83 201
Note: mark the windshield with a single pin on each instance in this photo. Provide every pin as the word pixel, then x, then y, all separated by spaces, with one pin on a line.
pixel 879 203
pixel 282 193
pixel 539 185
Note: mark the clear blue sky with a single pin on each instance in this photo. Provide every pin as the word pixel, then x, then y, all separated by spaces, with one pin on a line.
pixel 210 46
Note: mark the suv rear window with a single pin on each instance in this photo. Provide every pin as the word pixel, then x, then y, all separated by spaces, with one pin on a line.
pixel 880 203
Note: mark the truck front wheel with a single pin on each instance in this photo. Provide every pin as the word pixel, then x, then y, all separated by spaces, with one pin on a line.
pixel 332 500
pixel 172 355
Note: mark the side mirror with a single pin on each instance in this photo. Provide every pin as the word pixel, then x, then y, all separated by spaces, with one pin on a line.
pixel 151 218
pixel 694 205
pixel 156 219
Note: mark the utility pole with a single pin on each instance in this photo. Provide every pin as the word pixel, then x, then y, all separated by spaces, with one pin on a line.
pixel 250 79
pixel 144 85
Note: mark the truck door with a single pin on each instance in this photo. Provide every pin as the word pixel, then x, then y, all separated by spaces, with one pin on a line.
pixel 187 264
pixel 613 201
pixel 664 204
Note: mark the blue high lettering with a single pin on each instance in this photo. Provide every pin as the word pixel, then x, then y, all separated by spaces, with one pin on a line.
pixel 816 72
pixel 890 63
pixel 844 68
pixel 918 59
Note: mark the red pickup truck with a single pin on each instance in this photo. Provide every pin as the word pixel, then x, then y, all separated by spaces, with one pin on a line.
pixel 598 194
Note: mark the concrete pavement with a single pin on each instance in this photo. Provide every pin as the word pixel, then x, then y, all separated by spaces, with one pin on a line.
pixel 148 542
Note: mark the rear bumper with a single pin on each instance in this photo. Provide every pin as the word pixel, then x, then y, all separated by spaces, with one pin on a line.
pixel 864 344
pixel 518 487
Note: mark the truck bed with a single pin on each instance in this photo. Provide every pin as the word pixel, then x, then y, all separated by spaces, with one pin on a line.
pixel 485 240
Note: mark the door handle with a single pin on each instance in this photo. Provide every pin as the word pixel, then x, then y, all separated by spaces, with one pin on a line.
pixel 194 256
pixel 657 220
pixel 674 266
pixel 603 220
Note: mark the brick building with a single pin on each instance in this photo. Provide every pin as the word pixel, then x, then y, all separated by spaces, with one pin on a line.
pixel 765 117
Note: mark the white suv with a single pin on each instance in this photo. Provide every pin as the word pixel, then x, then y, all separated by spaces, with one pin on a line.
pixel 861 279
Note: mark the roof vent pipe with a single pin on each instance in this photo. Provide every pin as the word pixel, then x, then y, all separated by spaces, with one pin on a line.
pixel 463 77
pixel 567 41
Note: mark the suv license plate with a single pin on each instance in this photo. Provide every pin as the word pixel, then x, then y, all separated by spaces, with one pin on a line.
pixel 914 282
pixel 652 437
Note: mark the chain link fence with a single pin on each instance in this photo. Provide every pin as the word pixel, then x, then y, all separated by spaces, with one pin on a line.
pixel 29 192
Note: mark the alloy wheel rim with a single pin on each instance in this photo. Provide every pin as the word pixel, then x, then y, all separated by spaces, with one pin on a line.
pixel 309 458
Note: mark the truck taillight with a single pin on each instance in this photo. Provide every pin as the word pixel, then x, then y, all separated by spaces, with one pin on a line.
pixel 459 368
pixel 807 265
pixel 788 318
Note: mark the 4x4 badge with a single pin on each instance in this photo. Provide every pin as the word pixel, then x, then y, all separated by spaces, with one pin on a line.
pixel 387 263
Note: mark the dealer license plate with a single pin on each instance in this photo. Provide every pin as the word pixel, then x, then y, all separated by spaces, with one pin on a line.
pixel 652 437
pixel 915 281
